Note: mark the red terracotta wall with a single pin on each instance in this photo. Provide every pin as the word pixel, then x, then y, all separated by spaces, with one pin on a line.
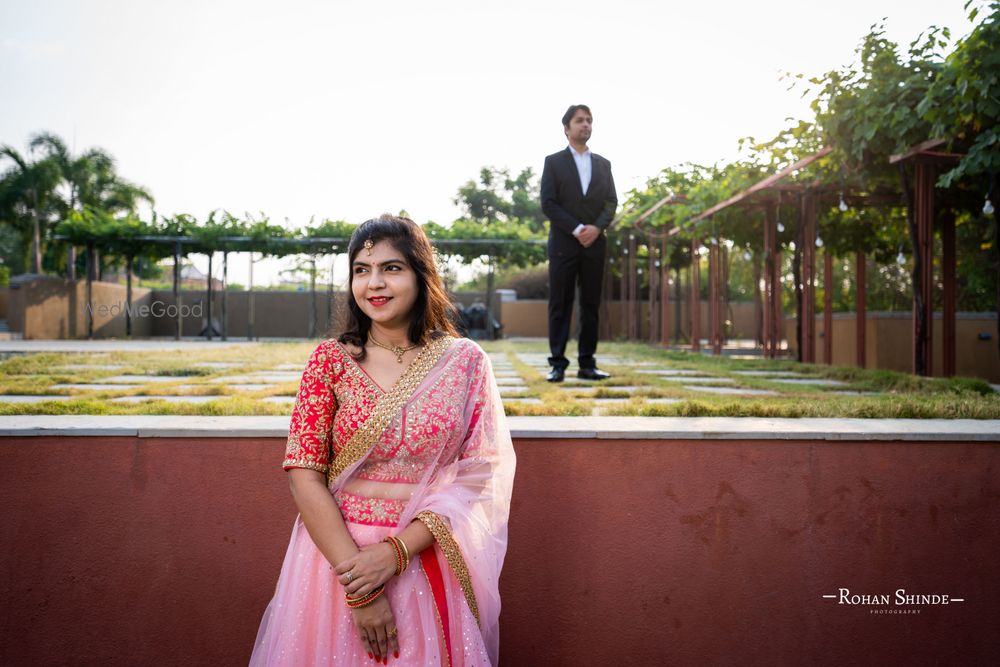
pixel 127 551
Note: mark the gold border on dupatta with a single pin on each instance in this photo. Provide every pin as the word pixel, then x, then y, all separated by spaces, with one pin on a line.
pixel 453 554
pixel 387 407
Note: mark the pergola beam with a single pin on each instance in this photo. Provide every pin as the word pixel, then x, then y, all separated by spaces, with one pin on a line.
pixel 755 188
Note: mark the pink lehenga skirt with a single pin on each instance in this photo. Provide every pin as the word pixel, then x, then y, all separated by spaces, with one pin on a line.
pixel 308 623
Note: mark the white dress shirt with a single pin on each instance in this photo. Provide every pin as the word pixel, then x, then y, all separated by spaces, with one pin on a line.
pixel 584 167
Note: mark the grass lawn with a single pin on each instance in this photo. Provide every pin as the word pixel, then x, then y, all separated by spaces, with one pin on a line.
pixel 634 366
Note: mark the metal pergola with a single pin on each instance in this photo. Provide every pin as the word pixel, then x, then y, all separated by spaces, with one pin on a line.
pixel 767 194
pixel 491 246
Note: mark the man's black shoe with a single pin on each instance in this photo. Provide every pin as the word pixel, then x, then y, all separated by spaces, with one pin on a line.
pixel 592 374
pixel 556 375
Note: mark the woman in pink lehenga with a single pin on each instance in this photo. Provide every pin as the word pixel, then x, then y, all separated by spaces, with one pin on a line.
pixel 401 465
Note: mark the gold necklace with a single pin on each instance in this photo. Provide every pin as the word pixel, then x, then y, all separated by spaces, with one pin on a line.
pixel 395 349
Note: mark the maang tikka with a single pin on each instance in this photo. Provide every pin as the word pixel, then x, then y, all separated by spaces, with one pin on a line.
pixel 369 244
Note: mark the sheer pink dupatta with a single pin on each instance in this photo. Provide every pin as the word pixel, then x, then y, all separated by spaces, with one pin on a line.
pixel 463 497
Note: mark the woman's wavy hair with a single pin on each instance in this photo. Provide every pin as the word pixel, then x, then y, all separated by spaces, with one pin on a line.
pixel 433 311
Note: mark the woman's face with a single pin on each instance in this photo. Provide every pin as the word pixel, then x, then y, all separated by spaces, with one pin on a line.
pixel 384 285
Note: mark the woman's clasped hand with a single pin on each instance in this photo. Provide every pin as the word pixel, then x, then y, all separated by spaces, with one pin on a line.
pixel 377 629
pixel 361 576
pixel 368 569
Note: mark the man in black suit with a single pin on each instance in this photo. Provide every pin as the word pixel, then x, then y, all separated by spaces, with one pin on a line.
pixel 578 197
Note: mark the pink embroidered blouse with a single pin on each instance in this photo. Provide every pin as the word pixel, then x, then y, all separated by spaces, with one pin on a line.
pixel 336 396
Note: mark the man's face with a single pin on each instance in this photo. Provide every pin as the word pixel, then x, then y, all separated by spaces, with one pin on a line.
pixel 579 127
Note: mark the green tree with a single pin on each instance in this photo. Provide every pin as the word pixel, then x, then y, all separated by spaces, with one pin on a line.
pixel 28 201
pixel 499 196
pixel 963 106
pixel 90 180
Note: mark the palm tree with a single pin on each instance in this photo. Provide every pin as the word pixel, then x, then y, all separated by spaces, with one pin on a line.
pixel 92 182
pixel 28 197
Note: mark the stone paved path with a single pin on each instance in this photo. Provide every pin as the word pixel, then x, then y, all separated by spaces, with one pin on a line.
pixel 643 382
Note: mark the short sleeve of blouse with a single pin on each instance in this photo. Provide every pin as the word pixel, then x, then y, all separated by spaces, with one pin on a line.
pixel 309 433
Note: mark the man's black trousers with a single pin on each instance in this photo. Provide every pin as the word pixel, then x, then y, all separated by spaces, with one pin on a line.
pixel 565 273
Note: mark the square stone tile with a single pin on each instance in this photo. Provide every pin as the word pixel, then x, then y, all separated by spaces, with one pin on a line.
pixel 699 379
pixel 283 400
pixel 257 378
pixel 576 389
pixel 818 382
pixel 670 371
pixel 144 379
pixel 769 374
pixel 511 391
pixel 168 399
pixel 511 381
pixel 21 398
pixel 735 391
pixel 94 387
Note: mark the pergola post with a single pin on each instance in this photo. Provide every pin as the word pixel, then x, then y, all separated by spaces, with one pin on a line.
pixel 860 308
pixel 809 278
pixel 250 303
pixel 926 156
pixel 923 321
pixel 225 289
pixel 633 284
pixel 828 307
pixel 678 304
pixel 695 308
pixel 664 294
pixel 208 328
pixel 623 293
pixel 128 295
pixel 777 318
pixel 90 290
pixel 607 288
pixel 714 297
pixel 771 287
pixel 758 306
pixel 329 296
pixel 948 296
pixel 654 284
pixel 312 295
pixel 179 323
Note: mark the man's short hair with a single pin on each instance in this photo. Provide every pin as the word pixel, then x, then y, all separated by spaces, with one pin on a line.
pixel 568 116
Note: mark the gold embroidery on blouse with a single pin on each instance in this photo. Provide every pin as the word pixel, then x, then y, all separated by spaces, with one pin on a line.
pixel 309 412
pixel 369 511
pixel 304 463
pixel 388 407
pixel 453 555
pixel 354 369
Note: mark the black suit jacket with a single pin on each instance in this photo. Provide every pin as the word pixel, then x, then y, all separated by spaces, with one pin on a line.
pixel 565 205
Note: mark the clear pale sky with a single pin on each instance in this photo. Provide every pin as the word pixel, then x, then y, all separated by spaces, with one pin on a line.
pixel 344 110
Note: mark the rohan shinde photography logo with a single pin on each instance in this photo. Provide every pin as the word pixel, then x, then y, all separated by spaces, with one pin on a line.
pixel 898 602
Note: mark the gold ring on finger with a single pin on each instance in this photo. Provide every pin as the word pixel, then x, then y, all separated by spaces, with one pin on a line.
pixel 392 633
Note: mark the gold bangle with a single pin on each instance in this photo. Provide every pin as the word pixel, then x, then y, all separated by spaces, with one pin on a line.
pixel 406 553
pixel 396 550
pixel 366 599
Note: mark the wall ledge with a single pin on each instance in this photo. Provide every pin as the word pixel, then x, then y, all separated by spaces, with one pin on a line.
pixel 604 428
